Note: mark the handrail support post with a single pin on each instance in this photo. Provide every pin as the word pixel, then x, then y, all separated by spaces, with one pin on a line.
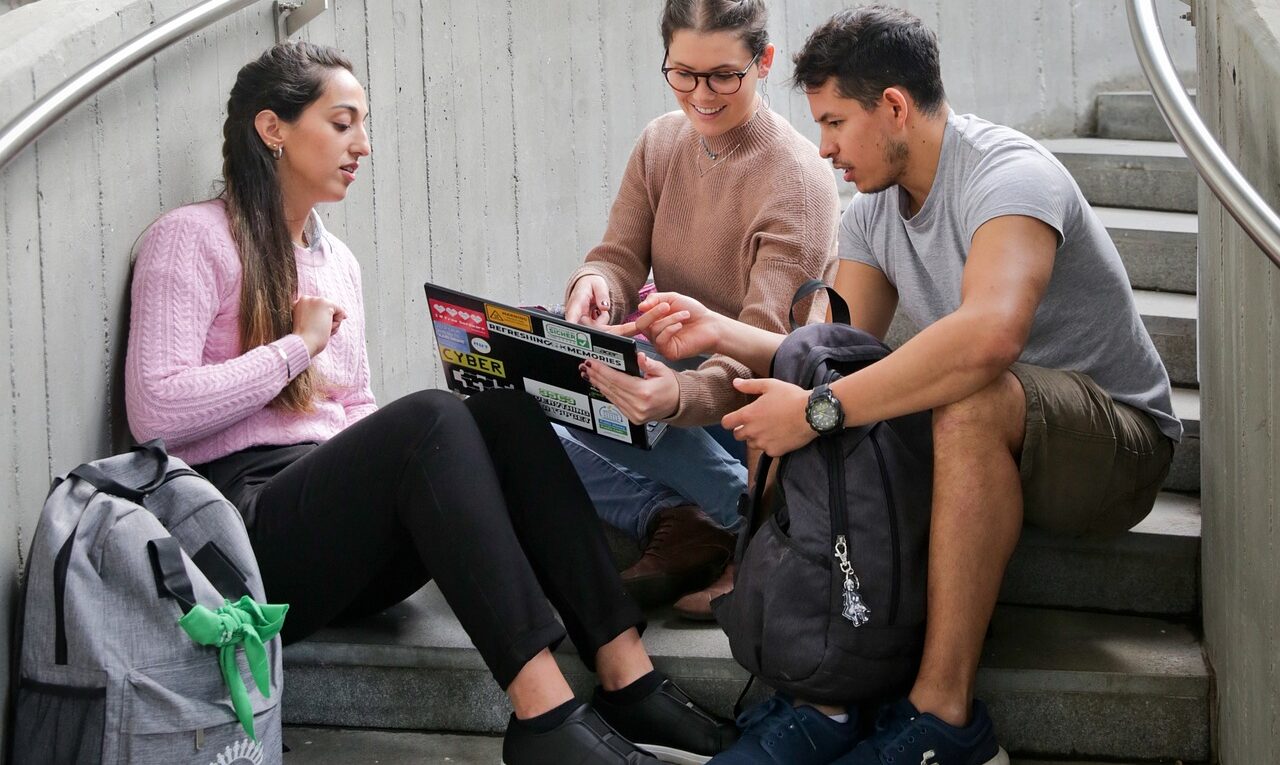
pixel 292 15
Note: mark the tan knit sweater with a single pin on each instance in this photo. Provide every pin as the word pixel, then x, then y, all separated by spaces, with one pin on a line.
pixel 739 234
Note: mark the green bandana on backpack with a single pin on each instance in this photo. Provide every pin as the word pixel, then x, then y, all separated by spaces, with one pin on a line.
pixel 242 622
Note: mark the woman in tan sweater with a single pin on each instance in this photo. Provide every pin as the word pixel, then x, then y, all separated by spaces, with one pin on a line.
pixel 724 201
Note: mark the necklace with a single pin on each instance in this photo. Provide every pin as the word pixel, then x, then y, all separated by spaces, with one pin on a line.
pixel 717 158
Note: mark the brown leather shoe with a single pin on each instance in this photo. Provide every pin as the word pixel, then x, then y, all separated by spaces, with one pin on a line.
pixel 685 552
pixel 697 605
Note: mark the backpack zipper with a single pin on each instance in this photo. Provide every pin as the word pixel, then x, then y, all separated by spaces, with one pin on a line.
pixel 892 509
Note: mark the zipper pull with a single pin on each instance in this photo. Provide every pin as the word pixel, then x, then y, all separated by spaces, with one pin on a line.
pixel 854 609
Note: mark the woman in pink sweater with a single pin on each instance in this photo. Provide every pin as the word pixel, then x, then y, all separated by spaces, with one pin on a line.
pixel 247 355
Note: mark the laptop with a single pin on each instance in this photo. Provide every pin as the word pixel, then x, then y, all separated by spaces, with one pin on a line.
pixel 487 345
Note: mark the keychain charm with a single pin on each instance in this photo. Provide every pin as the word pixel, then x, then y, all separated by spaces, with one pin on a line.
pixel 854 609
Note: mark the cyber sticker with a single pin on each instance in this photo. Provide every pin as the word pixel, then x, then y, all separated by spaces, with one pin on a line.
pixel 449 336
pixel 508 317
pixel 559 403
pixel 474 361
pixel 480 345
pixel 610 421
pixel 462 318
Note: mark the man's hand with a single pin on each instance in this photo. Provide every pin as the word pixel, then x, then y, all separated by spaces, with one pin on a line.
pixel 678 326
pixel 774 422
pixel 641 399
pixel 588 302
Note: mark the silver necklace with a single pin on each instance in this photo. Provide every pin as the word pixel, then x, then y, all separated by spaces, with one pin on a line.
pixel 717 158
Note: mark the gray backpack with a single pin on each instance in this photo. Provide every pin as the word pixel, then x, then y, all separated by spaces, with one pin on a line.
pixel 125 547
pixel 829 595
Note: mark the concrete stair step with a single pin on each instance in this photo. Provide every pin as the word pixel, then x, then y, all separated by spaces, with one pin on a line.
pixel 1153 569
pixel 1132 115
pixel 1184 473
pixel 1158 248
pixel 1151 175
pixel 1059 683
pixel 340 746
pixel 1170 318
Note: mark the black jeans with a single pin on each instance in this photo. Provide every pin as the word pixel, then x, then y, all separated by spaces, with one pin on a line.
pixel 478 496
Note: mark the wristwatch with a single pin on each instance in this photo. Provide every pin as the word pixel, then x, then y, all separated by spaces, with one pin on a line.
pixel 823 412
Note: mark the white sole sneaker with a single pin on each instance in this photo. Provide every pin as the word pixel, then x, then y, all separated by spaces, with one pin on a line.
pixel 1001 758
pixel 679 756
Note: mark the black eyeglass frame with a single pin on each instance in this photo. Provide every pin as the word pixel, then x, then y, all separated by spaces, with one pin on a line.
pixel 705 76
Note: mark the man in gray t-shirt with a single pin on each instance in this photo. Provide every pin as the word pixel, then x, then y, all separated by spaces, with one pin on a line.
pixel 1050 404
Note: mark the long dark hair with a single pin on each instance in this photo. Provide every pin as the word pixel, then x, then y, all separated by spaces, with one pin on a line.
pixel 749 18
pixel 286 80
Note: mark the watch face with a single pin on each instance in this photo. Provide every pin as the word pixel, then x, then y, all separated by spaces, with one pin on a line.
pixel 823 415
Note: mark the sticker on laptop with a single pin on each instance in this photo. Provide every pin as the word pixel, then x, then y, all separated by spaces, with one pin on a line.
pixel 566 345
pixel 610 421
pixel 473 382
pixel 480 345
pixel 559 403
pixel 508 317
pixel 474 361
pixel 449 336
pixel 463 318
pixel 568 337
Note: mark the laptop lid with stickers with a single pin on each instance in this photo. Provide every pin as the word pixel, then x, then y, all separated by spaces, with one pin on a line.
pixel 486 345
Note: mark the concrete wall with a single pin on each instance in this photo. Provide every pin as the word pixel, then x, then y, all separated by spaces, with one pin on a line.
pixel 496 181
pixel 1239 57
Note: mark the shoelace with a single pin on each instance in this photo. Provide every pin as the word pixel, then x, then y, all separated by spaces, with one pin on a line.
pixel 763 720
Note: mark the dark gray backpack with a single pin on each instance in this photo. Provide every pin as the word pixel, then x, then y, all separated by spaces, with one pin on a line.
pixel 125 547
pixel 829 595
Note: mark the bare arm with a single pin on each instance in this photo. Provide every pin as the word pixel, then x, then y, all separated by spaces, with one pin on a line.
pixel 871 298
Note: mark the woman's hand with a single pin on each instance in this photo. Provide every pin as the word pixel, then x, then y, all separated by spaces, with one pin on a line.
pixel 678 326
pixel 774 423
pixel 588 302
pixel 315 320
pixel 642 399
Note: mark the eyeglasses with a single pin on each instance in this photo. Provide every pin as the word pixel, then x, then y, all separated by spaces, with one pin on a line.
pixel 723 83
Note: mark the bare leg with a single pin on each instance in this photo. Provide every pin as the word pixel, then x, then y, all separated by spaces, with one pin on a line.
pixel 622 661
pixel 977 517
pixel 539 687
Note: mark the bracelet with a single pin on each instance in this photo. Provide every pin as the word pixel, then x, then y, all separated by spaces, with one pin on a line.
pixel 287 369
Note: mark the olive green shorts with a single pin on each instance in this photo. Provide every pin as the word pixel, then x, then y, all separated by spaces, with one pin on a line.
pixel 1090 464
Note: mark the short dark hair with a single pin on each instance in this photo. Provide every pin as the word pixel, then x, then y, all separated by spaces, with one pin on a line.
pixel 749 18
pixel 868 49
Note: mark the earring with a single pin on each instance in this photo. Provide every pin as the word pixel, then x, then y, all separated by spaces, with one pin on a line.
pixel 764 92
pixel 277 151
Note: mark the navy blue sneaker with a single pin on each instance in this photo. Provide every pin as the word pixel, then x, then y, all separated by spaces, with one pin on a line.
pixel 903 736
pixel 776 732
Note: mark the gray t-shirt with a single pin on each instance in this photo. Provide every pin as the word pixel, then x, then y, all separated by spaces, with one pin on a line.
pixel 1087 321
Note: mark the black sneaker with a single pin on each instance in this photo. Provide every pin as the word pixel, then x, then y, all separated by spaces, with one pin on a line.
pixel 582 739
pixel 668 724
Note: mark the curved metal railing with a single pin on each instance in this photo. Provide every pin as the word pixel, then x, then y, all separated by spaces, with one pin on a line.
pixel 1241 200
pixel 29 125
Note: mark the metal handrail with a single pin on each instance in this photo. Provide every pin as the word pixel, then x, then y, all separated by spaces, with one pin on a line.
pixel 1240 199
pixel 29 125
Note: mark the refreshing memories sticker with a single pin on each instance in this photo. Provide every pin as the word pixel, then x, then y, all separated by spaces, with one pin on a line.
pixel 560 404
pixel 610 421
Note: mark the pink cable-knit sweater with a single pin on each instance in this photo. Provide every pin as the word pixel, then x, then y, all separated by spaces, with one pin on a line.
pixel 186 379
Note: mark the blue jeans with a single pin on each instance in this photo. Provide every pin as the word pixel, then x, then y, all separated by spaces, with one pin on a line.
pixel 629 486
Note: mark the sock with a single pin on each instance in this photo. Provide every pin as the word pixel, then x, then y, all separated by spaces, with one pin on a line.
pixel 548 721
pixel 637 690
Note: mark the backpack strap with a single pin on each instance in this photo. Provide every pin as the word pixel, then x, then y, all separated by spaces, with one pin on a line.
pixel 753 507
pixel 839 308
pixel 102 482
pixel 171 573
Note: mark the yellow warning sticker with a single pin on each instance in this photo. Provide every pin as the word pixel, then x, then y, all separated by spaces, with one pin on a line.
pixel 508 317
pixel 474 361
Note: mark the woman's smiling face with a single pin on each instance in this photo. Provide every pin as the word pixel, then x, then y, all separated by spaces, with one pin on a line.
pixel 723 51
